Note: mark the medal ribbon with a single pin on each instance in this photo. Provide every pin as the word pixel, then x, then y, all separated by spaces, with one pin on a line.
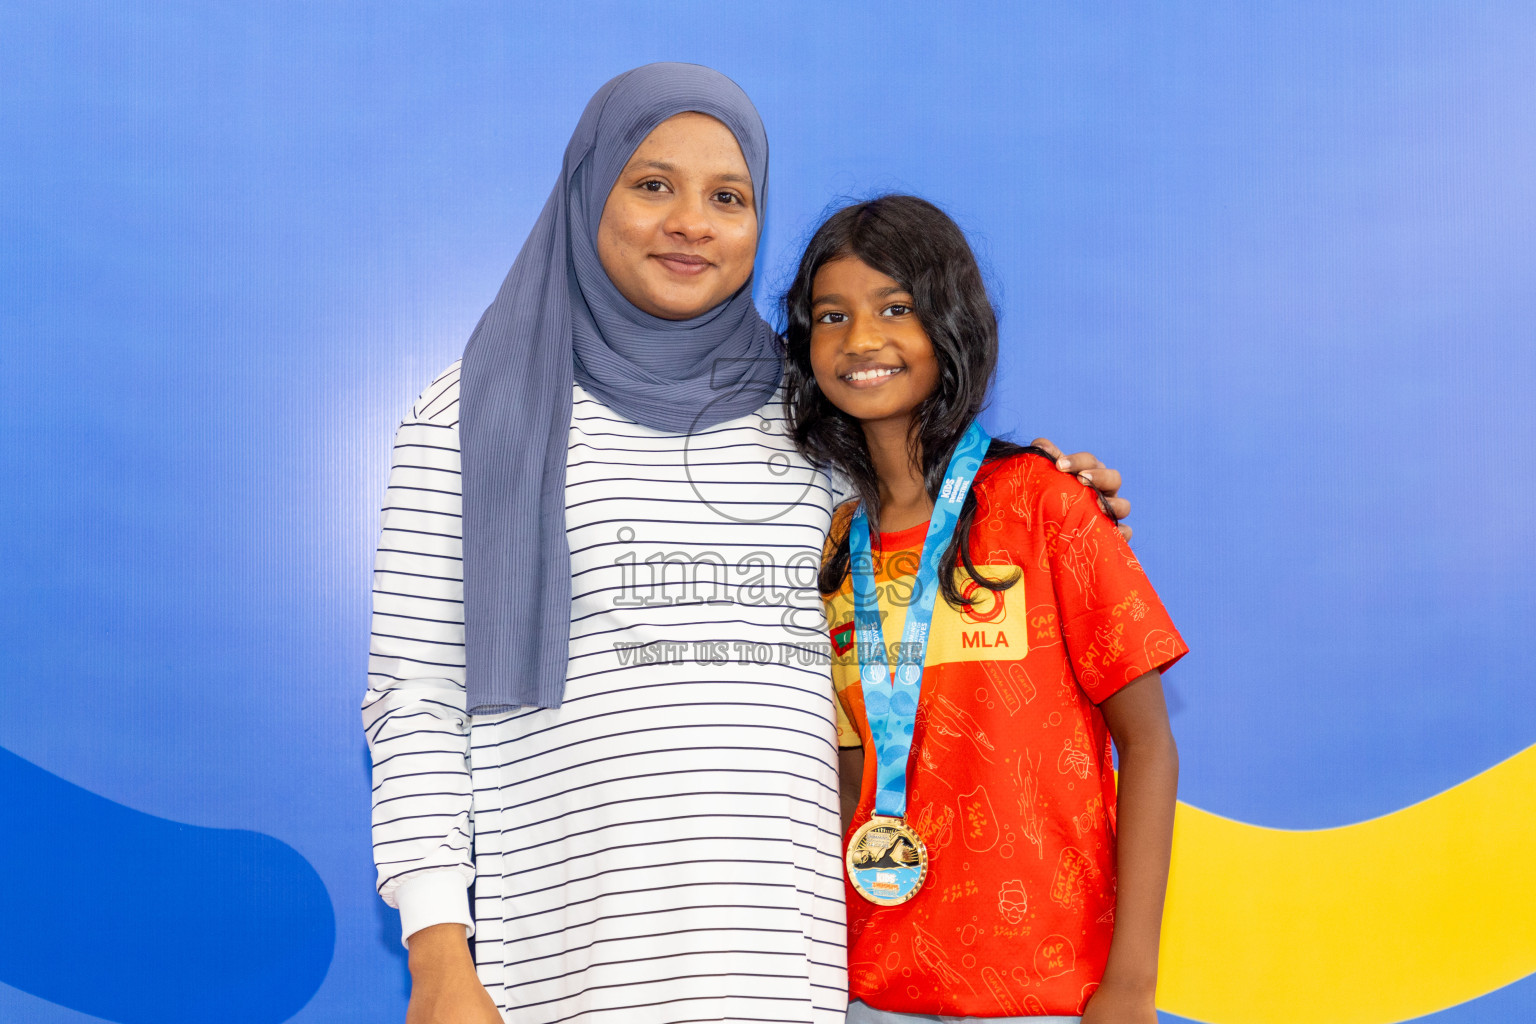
pixel 891 703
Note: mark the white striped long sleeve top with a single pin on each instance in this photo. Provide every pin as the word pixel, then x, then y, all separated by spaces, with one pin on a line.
pixel 664 847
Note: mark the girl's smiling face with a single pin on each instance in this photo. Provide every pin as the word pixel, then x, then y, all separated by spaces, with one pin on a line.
pixel 870 354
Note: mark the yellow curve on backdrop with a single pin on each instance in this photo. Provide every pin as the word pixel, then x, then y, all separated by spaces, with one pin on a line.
pixel 1371 923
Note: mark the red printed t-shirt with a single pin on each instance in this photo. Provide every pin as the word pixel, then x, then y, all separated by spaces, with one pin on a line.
pixel 1010 782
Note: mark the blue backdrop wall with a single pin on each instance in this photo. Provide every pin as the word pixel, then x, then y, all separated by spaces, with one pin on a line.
pixel 1275 263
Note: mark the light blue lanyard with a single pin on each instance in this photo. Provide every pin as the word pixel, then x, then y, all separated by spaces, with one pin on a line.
pixel 891 706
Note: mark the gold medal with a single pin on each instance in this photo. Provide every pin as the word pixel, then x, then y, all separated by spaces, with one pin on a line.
pixel 886 861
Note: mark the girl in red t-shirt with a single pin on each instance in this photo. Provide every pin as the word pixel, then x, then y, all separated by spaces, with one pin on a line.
pixel 1038 886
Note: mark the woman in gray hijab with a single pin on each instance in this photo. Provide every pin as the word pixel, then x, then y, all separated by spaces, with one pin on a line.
pixel 598 689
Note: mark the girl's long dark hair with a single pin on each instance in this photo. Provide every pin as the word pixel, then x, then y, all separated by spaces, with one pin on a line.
pixel 915 243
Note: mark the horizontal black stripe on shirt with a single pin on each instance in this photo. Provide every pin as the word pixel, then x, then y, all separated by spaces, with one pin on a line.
pixel 444 845
pixel 415 753
pixel 711 502
pixel 417 775
pixel 817 693
pixel 411 871
pixel 660 450
pixel 414 699
pixel 614 826
pixel 684 623
pixel 380 613
pixel 607 871
pixel 432 837
pixel 662 956
pixel 395 467
pixel 423 533
pixel 450 580
pixel 836 900
pixel 735 1018
pixel 423 490
pixel 418 510
pixel 433 447
pixel 400 715
pixel 596 419
pixel 691 480
pixel 813 894
pixel 767 549
pixel 762 417
pixel 636 732
pixel 699 582
pixel 455 794
pixel 372 673
pixel 444 727
pixel 733 997
pixel 818 672
pixel 653 775
pixel 671 439
pixel 386 692
pixel 413 817
pixel 690 463
pixel 734 724
pixel 420 554
pixel 728 525
pixel 825 854
pixel 506 786
pixel 687 630
pixel 684 631
pixel 692 795
pixel 411 640
pixel 523 939
pixel 640 892
pixel 653 563
pixel 420 597
pixel 652 935
pixel 419 661
pixel 641 645
pixel 662 981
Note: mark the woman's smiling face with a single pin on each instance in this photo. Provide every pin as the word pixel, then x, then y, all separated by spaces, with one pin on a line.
pixel 679 229
pixel 870 354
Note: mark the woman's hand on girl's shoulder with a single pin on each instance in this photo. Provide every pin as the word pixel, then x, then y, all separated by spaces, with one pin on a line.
pixel 1112 1004
pixel 1087 468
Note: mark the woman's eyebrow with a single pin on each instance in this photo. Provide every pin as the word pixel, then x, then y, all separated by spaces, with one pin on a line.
pixel 657 165
pixel 827 300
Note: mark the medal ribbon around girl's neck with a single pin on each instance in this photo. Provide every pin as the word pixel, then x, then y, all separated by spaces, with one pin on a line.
pixel 886 859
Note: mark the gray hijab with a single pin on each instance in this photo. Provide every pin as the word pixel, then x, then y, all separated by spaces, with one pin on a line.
pixel 559 319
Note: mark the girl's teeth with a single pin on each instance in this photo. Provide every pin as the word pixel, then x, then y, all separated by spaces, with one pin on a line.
pixel 869 374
